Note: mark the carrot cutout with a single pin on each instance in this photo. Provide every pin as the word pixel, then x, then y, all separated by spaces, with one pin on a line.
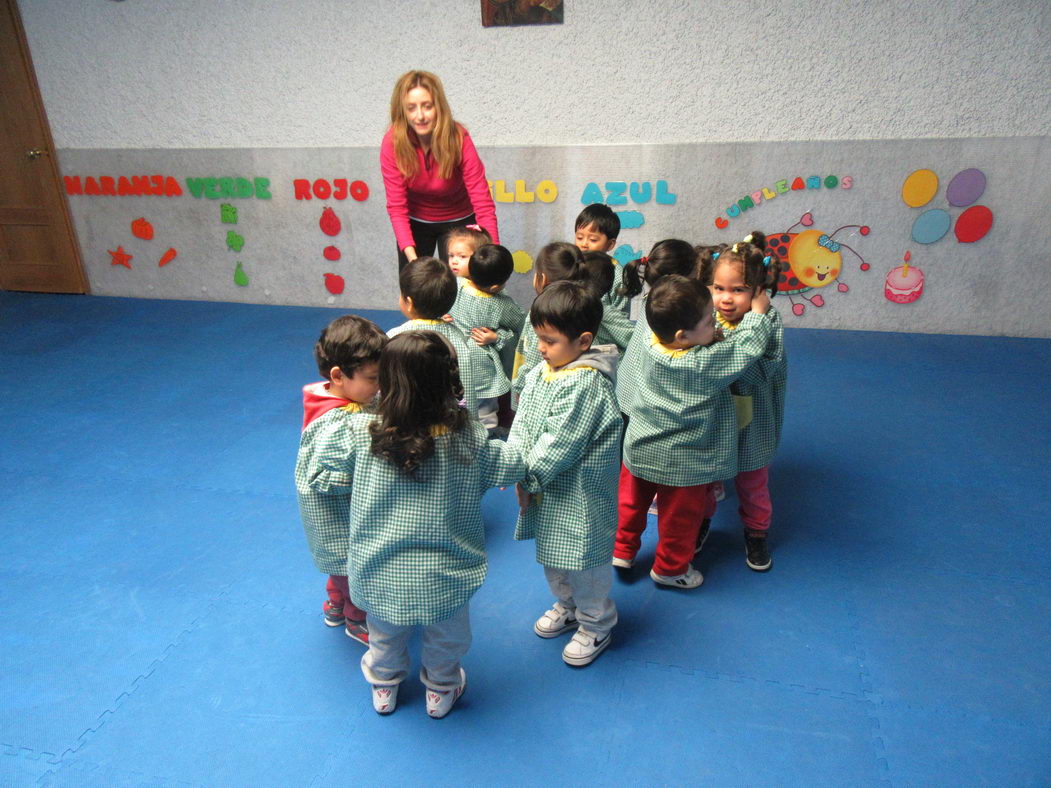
pixel 167 258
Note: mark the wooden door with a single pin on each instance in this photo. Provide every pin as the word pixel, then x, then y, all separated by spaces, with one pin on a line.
pixel 38 250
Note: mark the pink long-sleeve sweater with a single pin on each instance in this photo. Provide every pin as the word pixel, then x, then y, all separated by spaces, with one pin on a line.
pixel 434 199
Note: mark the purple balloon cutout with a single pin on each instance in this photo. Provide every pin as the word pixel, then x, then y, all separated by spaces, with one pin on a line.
pixel 965 187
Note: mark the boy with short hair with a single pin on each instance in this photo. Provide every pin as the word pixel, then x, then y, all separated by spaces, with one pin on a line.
pixel 596 230
pixel 490 318
pixel 568 430
pixel 347 355
pixel 428 291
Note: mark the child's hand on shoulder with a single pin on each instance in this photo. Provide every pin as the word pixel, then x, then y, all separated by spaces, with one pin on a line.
pixel 761 302
pixel 447 318
pixel 525 499
pixel 484 336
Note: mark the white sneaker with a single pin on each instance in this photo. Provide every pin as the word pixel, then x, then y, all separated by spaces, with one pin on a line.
pixel 440 702
pixel 719 491
pixel 584 647
pixel 555 621
pixel 690 579
pixel 623 563
pixel 384 697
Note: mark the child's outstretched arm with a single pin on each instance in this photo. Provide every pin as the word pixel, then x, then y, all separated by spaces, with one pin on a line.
pixel 500 463
pixel 722 363
pixel 331 470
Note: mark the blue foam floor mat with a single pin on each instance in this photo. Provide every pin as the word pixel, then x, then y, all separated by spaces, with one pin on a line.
pixel 162 617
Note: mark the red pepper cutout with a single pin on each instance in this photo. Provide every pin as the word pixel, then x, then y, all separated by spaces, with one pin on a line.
pixel 330 223
pixel 141 228
pixel 334 283
pixel 331 253
pixel 167 258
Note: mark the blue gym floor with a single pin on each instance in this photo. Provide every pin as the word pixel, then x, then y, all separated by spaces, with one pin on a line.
pixel 162 617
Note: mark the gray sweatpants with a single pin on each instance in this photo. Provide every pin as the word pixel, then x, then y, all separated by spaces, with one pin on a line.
pixel 444 644
pixel 587 592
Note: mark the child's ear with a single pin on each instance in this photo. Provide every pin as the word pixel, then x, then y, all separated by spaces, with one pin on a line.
pixel 585 340
pixel 680 335
pixel 611 245
pixel 336 375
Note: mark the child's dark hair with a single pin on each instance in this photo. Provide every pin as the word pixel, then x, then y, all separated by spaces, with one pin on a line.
pixel 421 390
pixel 601 270
pixel 431 286
pixel 670 256
pixel 348 342
pixel 476 237
pixel 676 302
pixel 760 267
pixel 603 217
pixel 558 261
pixel 490 265
pixel 571 308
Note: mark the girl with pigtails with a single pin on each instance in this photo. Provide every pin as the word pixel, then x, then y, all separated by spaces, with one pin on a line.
pixel 735 274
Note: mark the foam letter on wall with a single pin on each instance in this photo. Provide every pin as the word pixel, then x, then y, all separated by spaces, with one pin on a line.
pixel 798 184
pixel 521 195
pixel 359 191
pixel 813 182
pixel 769 195
pixel 262 188
pixel 640 192
pixel 301 187
pixel 616 193
pixel 721 223
pixel 591 194
pixel 501 194
pixel 322 189
pixel 72 184
pixel 664 197
pixel 546 191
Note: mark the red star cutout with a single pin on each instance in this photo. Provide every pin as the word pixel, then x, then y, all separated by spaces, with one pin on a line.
pixel 120 257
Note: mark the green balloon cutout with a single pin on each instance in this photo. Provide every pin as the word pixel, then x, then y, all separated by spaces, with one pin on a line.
pixel 240 277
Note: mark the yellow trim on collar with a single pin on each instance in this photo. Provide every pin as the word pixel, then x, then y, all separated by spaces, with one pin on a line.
pixel 439 429
pixel 670 351
pixel 470 287
pixel 722 321
pixel 427 322
pixel 352 407
pixel 551 374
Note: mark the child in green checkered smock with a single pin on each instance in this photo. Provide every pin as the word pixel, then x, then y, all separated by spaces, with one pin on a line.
pixel 682 427
pixel 596 230
pixel 735 274
pixel 414 474
pixel 568 428
pixel 670 256
pixel 428 291
pixel 615 328
pixel 489 318
pixel 347 355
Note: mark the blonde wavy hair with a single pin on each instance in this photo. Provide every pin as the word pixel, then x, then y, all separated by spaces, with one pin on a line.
pixel 446 141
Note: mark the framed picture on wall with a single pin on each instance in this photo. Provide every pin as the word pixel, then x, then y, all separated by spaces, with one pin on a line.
pixel 503 13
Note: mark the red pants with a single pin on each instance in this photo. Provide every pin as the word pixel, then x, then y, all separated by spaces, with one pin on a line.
pixel 339 594
pixel 679 514
pixel 753 497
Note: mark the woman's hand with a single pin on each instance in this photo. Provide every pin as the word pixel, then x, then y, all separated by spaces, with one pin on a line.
pixel 410 253
pixel 484 336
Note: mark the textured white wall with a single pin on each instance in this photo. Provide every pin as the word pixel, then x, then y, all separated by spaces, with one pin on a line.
pixel 309 73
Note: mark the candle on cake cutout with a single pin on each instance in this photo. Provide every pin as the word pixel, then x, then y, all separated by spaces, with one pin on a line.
pixel 904 284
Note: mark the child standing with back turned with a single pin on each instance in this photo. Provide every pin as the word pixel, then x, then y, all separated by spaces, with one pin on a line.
pixel 682 426
pixel 414 473
pixel 568 430
pixel 347 355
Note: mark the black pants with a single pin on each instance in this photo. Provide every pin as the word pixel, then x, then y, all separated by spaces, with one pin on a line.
pixel 426 235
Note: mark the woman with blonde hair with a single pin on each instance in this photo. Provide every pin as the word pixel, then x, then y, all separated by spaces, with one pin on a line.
pixel 431 171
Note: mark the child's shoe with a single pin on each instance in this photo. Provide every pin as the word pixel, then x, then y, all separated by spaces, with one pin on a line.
pixel 719 491
pixel 702 535
pixel 691 578
pixel 757 554
pixel 555 621
pixel 333 614
pixel 623 563
pixel 584 647
pixel 440 702
pixel 358 630
pixel 384 697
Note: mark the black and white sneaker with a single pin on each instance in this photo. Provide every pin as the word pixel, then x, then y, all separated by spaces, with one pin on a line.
pixel 702 535
pixel 691 578
pixel 555 621
pixel 583 648
pixel 757 554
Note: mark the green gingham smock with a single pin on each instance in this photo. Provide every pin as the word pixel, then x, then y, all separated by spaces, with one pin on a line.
pixel 615 299
pixel 527 357
pixel 474 380
pixel 627 373
pixel 615 328
pixel 475 308
pixel 682 425
pixel 326 518
pixel 765 382
pixel 568 429
pixel 417 548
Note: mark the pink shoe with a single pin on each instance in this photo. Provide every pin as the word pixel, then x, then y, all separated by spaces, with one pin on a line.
pixel 441 702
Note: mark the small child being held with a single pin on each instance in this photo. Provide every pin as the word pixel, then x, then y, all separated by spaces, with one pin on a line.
pixel 682 426
pixel 735 275
pixel 428 291
pixel 568 429
pixel 414 474
pixel 490 317
pixel 347 355
pixel 456 247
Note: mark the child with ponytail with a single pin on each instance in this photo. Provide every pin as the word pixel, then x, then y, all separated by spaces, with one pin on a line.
pixel 735 275
pixel 414 473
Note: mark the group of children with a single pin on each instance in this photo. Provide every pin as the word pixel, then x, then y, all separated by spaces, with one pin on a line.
pixel 406 432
